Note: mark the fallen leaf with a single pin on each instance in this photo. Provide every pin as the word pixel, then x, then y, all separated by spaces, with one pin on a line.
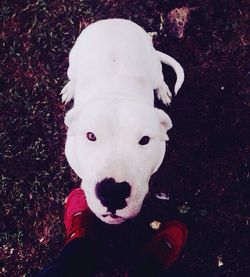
pixel 155 225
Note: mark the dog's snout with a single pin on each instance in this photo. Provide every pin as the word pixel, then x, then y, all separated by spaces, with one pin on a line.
pixel 112 194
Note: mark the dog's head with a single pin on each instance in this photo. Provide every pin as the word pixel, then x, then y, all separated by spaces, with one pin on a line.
pixel 114 147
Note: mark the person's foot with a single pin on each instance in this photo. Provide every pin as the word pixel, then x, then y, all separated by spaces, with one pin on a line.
pixel 75 214
pixel 168 243
pixel 161 252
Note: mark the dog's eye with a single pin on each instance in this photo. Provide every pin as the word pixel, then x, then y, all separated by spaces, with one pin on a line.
pixel 91 136
pixel 144 140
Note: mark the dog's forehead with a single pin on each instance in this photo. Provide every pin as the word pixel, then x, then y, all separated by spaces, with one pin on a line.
pixel 137 115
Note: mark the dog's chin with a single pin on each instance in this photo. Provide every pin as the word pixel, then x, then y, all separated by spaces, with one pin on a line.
pixel 110 219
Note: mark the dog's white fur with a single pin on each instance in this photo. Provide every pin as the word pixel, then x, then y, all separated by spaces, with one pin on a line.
pixel 113 72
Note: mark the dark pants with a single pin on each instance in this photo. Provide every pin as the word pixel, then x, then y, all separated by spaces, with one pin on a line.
pixel 77 260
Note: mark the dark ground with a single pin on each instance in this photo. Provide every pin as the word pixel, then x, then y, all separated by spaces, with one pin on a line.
pixel 206 170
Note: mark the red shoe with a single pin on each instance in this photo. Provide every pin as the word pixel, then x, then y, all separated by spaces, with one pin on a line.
pixel 167 245
pixel 75 215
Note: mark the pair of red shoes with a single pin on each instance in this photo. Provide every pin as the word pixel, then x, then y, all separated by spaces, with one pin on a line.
pixel 166 246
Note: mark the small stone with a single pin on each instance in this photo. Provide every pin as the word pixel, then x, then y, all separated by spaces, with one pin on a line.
pixel 155 225
pixel 177 20
pixel 220 263
pixel 162 196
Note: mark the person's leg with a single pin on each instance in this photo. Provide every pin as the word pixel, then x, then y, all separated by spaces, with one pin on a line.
pixel 76 257
pixel 161 252
pixel 74 260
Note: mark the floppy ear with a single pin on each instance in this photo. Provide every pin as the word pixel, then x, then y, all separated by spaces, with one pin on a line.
pixel 70 120
pixel 165 123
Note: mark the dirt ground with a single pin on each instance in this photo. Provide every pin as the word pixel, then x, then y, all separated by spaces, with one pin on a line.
pixel 205 174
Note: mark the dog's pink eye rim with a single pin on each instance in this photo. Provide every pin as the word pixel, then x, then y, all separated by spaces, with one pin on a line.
pixel 91 136
pixel 144 140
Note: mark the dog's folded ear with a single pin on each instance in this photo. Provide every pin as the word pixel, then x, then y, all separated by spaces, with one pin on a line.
pixel 165 123
pixel 70 120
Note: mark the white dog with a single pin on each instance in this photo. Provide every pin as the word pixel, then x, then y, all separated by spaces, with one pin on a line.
pixel 116 138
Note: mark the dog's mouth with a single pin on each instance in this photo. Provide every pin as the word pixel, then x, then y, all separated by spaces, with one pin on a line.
pixel 112 218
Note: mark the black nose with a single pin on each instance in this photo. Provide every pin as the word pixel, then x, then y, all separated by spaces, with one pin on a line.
pixel 113 195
